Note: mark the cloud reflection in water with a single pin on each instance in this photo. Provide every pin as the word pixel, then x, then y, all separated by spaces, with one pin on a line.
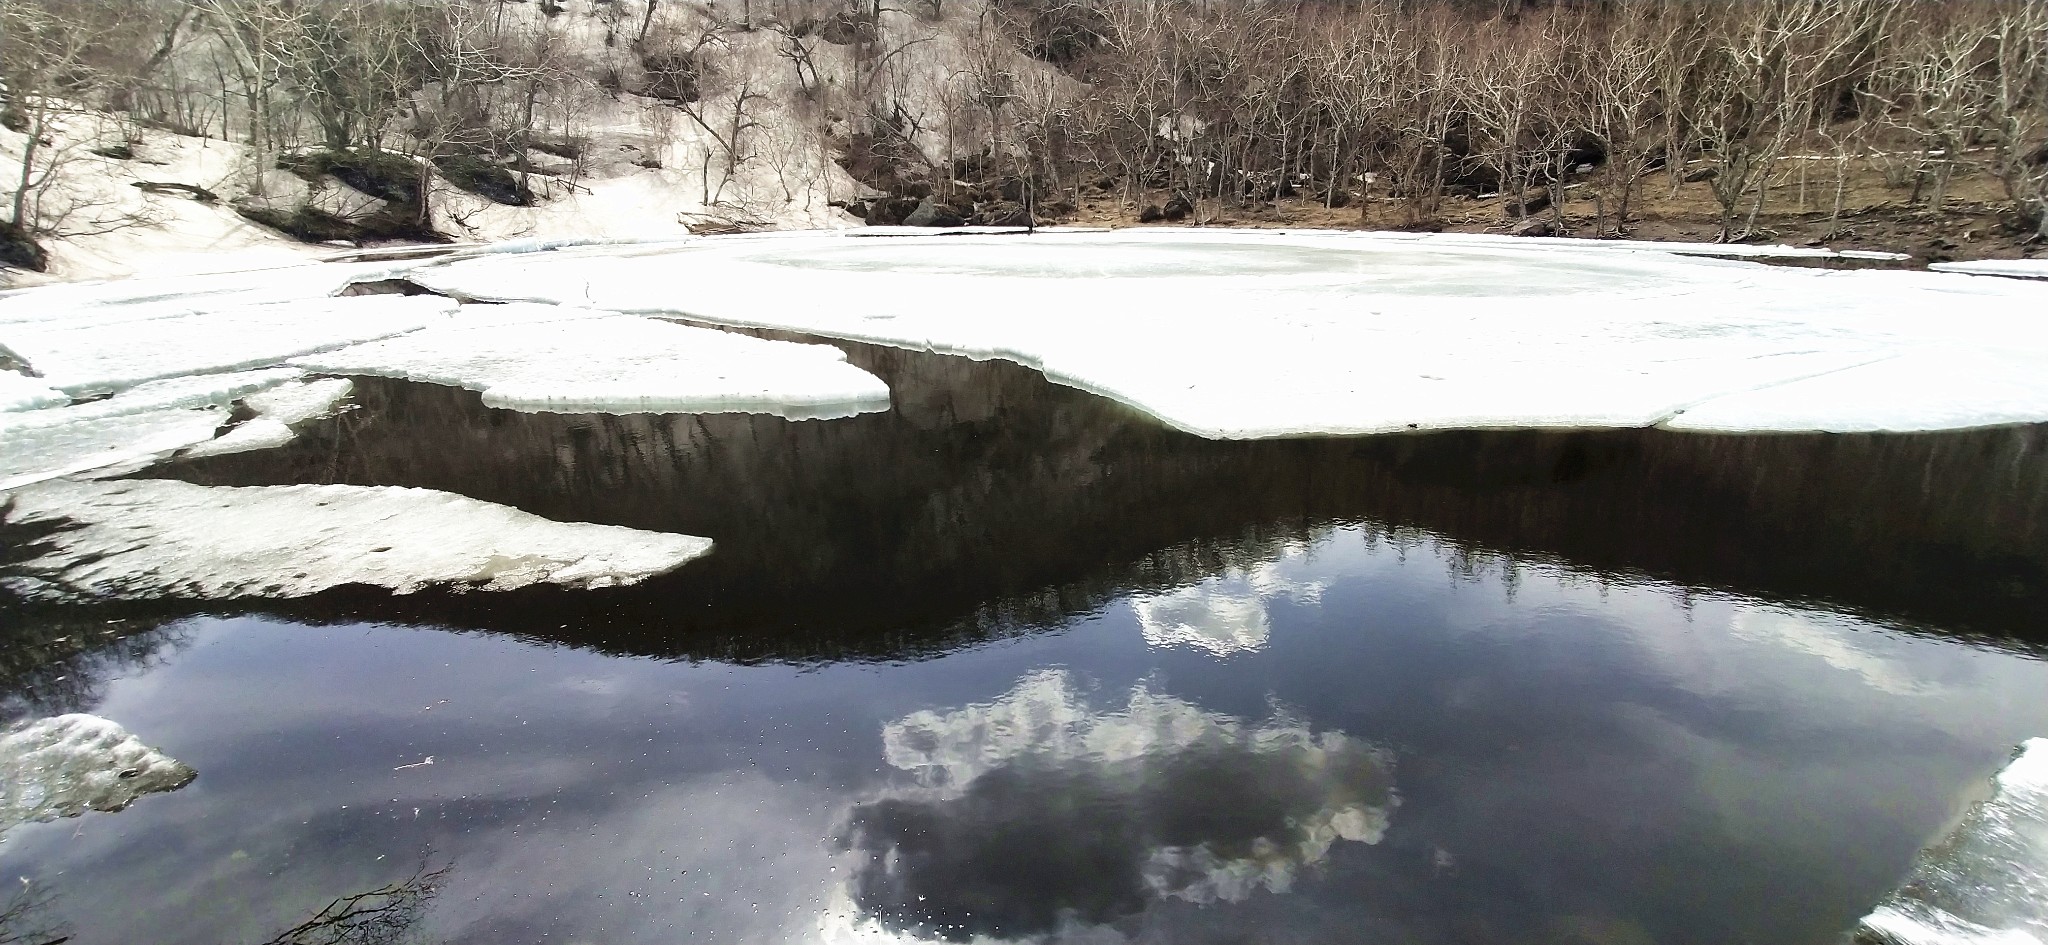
pixel 1035 812
pixel 1226 614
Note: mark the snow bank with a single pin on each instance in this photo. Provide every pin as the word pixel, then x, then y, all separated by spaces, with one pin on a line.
pixel 69 764
pixel 1247 334
pixel 538 357
pixel 161 538
pixel 2016 268
pixel 1987 884
pixel 115 346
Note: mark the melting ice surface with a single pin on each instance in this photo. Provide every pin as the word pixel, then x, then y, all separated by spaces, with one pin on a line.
pixel 161 538
pixel 1009 662
pixel 1988 882
pixel 69 764
pixel 988 659
pixel 545 357
pixel 1248 334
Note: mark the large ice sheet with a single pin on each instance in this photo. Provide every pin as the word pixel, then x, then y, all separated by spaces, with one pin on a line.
pixel 544 357
pixel 147 539
pixel 66 765
pixel 1242 335
pixel 116 346
pixel 1987 884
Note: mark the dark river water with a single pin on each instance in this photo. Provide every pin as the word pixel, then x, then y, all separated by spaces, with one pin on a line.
pixel 1010 662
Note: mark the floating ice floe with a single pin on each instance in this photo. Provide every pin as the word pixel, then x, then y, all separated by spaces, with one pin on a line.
pixel 544 357
pixel 277 411
pixel 69 764
pixel 1110 796
pixel 2014 268
pixel 159 538
pixel 1244 335
pixel 130 429
pixel 1987 883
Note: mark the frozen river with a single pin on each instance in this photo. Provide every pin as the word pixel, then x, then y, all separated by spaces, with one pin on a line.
pixel 1011 661
pixel 1094 588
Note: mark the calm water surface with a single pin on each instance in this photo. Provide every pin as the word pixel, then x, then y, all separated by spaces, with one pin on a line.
pixel 1010 662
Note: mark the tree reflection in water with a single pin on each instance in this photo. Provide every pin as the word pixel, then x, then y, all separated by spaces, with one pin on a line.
pixel 387 915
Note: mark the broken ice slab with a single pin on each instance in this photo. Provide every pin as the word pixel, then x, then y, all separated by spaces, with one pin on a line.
pixel 1986 883
pixel 66 765
pixel 278 411
pixel 567 359
pixel 145 539
pixel 114 346
pixel 2012 268
pixel 130 429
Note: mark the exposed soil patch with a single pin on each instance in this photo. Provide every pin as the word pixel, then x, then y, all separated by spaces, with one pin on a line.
pixel 20 250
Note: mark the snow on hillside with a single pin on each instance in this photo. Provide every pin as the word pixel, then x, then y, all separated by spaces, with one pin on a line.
pixel 641 167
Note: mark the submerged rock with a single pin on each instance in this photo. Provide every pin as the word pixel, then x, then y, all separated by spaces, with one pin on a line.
pixel 68 764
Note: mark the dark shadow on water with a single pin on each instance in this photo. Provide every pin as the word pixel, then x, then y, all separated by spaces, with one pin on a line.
pixel 990 501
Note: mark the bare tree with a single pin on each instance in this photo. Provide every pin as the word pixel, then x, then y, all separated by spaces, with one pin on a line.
pixel 387 915
pixel 52 93
pixel 2019 109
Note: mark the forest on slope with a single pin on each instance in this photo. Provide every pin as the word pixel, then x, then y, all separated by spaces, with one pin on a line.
pixel 135 127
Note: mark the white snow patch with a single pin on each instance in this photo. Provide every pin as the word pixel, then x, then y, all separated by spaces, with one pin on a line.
pixel 21 392
pixel 116 346
pixel 1987 884
pixel 68 764
pixel 541 357
pixel 2014 268
pixel 1238 335
pixel 161 538
pixel 1679 247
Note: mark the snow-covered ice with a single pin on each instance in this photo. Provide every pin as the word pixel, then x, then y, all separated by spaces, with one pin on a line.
pixel 2015 268
pixel 136 426
pixel 278 410
pixel 1987 883
pixel 1240 335
pixel 544 357
pixel 66 765
pixel 160 538
pixel 21 392
pixel 110 347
